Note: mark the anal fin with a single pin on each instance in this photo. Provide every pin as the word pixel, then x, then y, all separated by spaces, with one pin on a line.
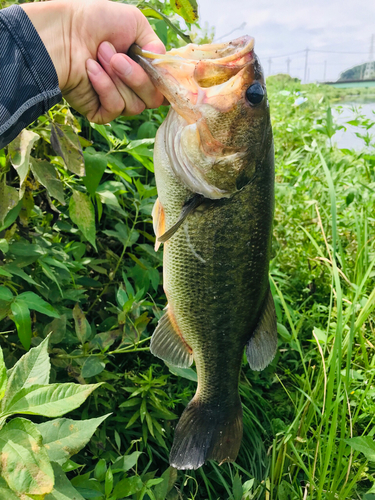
pixel 262 346
pixel 168 344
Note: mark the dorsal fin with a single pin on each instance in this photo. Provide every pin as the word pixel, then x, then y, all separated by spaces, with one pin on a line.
pixel 262 346
pixel 187 209
pixel 158 219
pixel 168 344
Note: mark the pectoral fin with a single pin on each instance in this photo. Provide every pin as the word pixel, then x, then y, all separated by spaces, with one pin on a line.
pixel 168 344
pixel 187 209
pixel 158 219
pixel 262 346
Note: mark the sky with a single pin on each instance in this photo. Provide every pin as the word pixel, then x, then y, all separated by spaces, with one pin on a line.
pixel 336 31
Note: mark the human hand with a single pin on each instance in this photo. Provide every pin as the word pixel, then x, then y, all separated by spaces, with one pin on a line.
pixel 77 34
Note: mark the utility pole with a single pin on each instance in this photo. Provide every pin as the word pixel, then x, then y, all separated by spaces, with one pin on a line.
pixel 325 71
pixel 306 59
pixel 269 66
pixel 371 58
pixel 288 61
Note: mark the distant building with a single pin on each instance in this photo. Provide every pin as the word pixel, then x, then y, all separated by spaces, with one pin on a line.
pixel 364 71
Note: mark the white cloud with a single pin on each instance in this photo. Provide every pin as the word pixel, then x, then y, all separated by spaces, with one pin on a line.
pixel 284 27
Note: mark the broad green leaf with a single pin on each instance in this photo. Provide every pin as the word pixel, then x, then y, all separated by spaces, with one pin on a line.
pixel 122 233
pixel 5 492
pixel 17 271
pixel 108 484
pixel 32 369
pixel 364 444
pixel 82 327
pixel 36 303
pixel 57 329
pixel 45 174
pixel 19 154
pixel 21 317
pixel 188 373
pixel 95 165
pixel 3 375
pixel 66 144
pixel 82 213
pixel 126 462
pixel 6 294
pixel 9 199
pixel 127 487
pixel 4 245
pixel 169 478
pixel 52 400
pixel 25 249
pixel 25 463
pixel 63 489
pixel 64 438
pixel 92 366
pixel 187 9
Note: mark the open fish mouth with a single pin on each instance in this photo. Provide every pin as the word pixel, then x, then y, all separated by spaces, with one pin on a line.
pixel 190 75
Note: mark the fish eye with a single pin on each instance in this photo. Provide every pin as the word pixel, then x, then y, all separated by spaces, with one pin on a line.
pixel 255 94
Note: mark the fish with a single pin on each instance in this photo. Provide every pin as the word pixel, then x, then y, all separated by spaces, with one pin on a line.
pixel 214 170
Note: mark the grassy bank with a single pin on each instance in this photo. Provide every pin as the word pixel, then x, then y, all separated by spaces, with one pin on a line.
pixel 309 417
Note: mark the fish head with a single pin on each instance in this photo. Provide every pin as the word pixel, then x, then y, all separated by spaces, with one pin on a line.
pixel 219 129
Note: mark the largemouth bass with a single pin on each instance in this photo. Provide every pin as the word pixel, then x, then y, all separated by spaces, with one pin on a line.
pixel 214 168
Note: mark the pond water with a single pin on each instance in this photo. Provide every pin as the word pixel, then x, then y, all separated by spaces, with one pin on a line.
pixel 349 110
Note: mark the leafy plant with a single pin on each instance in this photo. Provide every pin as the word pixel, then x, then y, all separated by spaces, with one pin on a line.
pixel 32 455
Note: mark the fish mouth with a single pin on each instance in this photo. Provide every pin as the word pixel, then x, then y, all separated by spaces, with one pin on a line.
pixel 191 75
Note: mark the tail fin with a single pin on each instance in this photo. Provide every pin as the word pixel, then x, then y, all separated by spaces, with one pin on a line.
pixel 207 432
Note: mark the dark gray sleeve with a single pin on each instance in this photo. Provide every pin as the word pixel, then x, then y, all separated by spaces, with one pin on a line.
pixel 28 81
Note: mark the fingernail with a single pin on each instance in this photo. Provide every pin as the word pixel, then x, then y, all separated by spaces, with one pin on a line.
pixel 106 51
pixel 92 67
pixel 121 66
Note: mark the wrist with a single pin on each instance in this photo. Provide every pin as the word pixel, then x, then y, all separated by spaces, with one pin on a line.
pixel 52 21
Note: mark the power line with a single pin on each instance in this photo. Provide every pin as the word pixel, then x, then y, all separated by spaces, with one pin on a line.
pixel 316 50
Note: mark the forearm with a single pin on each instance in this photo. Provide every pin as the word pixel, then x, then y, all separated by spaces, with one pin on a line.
pixel 28 79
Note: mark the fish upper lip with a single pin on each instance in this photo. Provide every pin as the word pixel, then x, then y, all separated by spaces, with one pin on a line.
pixel 236 54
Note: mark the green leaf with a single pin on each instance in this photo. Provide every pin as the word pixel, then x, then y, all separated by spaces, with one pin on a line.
pixel 95 164
pixel 21 317
pixel 36 303
pixel 45 174
pixel 25 463
pixel 169 478
pixel 52 400
pixel 63 437
pixel 127 487
pixel 92 366
pixel 187 9
pixel 82 327
pixel 237 487
pixel 127 462
pixel 6 492
pixel 9 199
pixel 6 294
pixel 108 485
pixel 63 489
pixel 33 368
pixel 16 271
pixel 57 329
pixel 66 144
pixel 187 373
pixel 4 245
pixel 19 154
pixel 82 213
pixel 3 375
pixel 364 444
